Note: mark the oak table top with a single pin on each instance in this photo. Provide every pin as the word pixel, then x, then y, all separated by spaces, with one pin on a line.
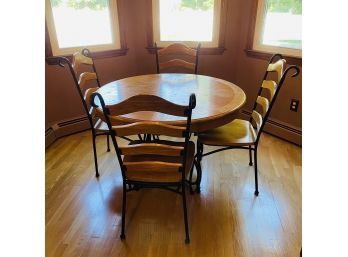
pixel 218 101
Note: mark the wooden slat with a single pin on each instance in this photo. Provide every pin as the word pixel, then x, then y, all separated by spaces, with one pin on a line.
pixel 177 48
pixel 257 118
pixel 253 134
pixel 271 86
pixel 86 76
pixel 177 63
pixel 152 166
pixel 78 59
pixel 88 94
pixel 151 148
pixel 263 101
pixel 148 127
pixel 277 67
pixel 147 103
pixel 87 97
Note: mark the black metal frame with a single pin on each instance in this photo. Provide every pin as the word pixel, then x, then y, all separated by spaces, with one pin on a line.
pixel 136 185
pixel 59 60
pixel 196 60
pixel 254 146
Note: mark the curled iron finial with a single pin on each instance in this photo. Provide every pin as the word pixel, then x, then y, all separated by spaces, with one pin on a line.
pixel 275 56
pixel 295 74
pixel 96 104
pixel 63 60
pixel 86 52
pixel 295 67
pixel 60 60
pixel 192 103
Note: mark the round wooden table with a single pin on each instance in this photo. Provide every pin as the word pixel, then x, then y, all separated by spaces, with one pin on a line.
pixel 218 101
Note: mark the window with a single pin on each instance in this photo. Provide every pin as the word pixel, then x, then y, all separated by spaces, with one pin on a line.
pixel 75 24
pixel 278 27
pixel 188 21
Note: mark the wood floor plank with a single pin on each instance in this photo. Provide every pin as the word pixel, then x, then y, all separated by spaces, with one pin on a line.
pixel 83 213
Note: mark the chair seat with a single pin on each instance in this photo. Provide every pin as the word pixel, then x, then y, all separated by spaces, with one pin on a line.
pixel 236 133
pixel 162 176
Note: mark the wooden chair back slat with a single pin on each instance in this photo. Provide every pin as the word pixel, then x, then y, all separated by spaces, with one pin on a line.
pixel 253 133
pixel 147 103
pixel 151 148
pixel 278 67
pixel 85 77
pixel 264 103
pixel 177 48
pixel 257 117
pixel 152 166
pixel 271 86
pixel 87 98
pixel 150 161
pixel 79 59
pixel 177 63
pixel 149 127
pixel 88 93
pixel 154 176
pixel 177 56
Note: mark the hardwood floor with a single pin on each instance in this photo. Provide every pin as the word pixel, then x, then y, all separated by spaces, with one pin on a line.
pixel 83 213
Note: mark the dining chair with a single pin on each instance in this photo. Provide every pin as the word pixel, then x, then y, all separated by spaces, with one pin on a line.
pixel 245 134
pixel 177 56
pixel 82 80
pixel 154 164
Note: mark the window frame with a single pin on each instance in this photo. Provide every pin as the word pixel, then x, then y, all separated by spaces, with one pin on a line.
pixel 118 47
pixel 215 47
pixel 261 51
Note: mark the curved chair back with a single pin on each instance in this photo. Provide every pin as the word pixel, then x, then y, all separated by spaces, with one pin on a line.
pixel 263 105
pixel 176 56
pixel 81 58
pixel 154 169
pixel 81 79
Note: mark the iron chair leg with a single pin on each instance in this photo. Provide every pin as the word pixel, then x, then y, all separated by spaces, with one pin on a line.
pixel 108 142
pixel 95 155
pixel 255 166
pixel 199 177
pixel 250 157
pixel 190 178
pixel 199 151
pixel 187 238
pixel 198 167
pixel 123 236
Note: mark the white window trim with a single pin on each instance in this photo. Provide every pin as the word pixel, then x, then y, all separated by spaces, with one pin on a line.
pixel 115 31
pixel 216 27
pixel 259 26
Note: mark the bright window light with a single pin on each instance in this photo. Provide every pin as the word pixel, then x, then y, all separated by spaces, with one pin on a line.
pixel 186 20
pixel 75 24
pixel 283 23
pixel 81 23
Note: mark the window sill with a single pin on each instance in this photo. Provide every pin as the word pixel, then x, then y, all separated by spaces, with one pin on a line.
pixel 101 54
pixel 266 56
pixel 203 51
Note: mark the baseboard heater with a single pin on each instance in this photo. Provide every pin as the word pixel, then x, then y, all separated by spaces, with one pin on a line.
pixel 64 128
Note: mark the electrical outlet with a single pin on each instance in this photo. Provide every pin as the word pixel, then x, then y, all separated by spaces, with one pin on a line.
pixel 294 105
